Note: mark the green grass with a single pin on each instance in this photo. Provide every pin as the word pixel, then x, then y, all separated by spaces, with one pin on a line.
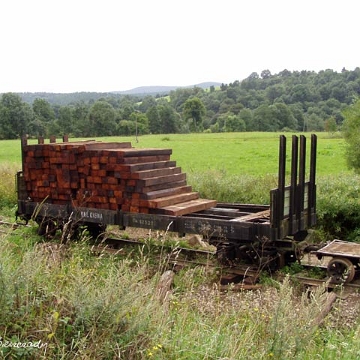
pixel 241 153
pixel 231 153
pixel 83 306
pixel 10 152
pixel 7 184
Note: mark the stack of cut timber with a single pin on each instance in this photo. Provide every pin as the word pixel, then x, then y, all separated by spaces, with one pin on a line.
pixel 113 176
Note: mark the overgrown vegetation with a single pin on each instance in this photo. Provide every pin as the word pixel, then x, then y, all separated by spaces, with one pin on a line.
pixel 68 303
pixel 338 206
pixel 74 305
pixel 243 189
pixel 351 131
pixel 7 185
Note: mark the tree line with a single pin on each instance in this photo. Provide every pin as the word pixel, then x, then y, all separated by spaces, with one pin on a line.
pixel 287 101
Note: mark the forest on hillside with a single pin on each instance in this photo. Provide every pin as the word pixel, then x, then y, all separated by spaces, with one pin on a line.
pixel 287 101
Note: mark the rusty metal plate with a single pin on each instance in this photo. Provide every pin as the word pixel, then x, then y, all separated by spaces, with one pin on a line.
pixel 341 248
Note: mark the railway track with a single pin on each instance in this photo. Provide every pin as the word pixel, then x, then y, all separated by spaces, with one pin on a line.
pixel 115 245
pixel 239 277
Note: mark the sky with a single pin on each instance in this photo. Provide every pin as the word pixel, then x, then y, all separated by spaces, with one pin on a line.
pixel 67 46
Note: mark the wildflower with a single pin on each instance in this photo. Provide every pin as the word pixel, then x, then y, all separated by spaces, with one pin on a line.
pixel 154 349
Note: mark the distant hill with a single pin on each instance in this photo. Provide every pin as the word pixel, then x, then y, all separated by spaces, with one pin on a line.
pixel 68 98
pixel 153 90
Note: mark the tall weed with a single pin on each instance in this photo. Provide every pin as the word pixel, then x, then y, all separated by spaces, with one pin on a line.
pixel 7 185
pixel 338 206
pixel 225 187
pixel 338 198
pixel 81 306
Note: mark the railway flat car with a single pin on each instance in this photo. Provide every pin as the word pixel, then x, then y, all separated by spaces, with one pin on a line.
pixel 92 184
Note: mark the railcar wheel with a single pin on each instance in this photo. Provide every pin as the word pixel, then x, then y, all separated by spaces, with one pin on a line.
pixel 341 270
pixel 280 260
pixel 225 254
pixel 47 227
pixel 96 230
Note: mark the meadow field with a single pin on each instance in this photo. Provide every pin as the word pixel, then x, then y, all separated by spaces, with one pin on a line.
pixel 254 154
pixel 59 301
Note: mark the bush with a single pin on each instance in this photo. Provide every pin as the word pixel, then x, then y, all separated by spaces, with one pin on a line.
pixel 350 129
pixel 7 185
pixel 338 206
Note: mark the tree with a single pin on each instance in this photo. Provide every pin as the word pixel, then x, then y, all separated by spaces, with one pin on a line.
pixel 127 127
pixel 37 128
pixel 126 106
pixel 298 114
pixel 169 119
pixel 284 116
pixel 43 110
pixel 265 119
pixel 44 117
pixel 226 105
pixel 351 132
pixel 231 93
pixel 154 119
pixel 251 82
pixel 274 91
pixel 247 116
pixel 15 116
pixel 179 96
pixel 102 119
pixel 65 120
pixel 147 103
pixel 274 117
pixel 300 93
pixel 141 123
pixel 81 119
pixel 330 125
pixel 266 74
pixel 194 109
pixel 340 92
pixel 313 122
pixel 253 76
pixel 230 123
